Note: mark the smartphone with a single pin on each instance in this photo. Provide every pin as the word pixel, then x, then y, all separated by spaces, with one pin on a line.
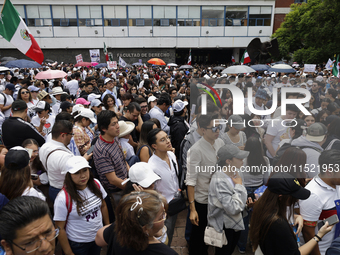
pixel 332 220
pixel 90 150
pixel 252 195
pixel 34 177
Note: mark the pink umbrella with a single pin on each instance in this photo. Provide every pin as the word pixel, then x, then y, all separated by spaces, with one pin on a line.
pixel 50 74
pixel 94 63
pixel 83 64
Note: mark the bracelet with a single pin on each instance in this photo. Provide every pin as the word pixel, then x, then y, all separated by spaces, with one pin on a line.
pixel 190 202
pixel 318 237
pixel 315 239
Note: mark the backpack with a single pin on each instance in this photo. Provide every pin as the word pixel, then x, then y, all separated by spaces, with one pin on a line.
pixel 5 98
pixel 69 202
pixel 334 249
pixel 286 146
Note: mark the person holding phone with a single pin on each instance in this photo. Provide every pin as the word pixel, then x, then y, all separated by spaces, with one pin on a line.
pixel 227 197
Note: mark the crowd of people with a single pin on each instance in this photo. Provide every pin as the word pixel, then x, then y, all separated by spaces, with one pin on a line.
pixel 111 157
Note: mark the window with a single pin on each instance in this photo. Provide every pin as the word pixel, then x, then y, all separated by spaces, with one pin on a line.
pixel 38 15
pixel 164 15
pixel 212 16
pixel 115 16
pixel 140 16
pixel 189 16
pixel 90 15
pixel 260 15
pixel 64 15
pixel 20 9
pixel 300 1
pixel 236 16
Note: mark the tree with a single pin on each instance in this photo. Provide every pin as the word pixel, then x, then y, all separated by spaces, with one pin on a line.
pixel 310 31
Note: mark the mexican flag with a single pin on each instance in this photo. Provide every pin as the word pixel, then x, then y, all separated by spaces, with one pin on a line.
pixel 245 58
pixel 232 59
pixel 189 59
pixel 336 67
pixel 105 53
pixel 14 30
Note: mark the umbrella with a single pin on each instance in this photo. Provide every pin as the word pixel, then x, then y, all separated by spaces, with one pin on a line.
pixel 100 65
pixel 218 68
pixel 3 69
pixel 22 63
pixel 137 64
pixel 280 62
pixel 282 68
pixel 83 64
pixel 172 64
pixel 238 69
pixel 49 61
pixel 8 59
pixel 156 61
pixel 94 63
pixel 186 67
pixel 260 67
pixel 50 74
pixel 128 66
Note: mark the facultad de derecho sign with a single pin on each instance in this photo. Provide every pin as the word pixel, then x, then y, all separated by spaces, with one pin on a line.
pixel 141 55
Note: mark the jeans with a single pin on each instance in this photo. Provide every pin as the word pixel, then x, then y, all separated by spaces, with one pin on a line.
pixel 242 243
pixel 84 248
pixel 170 223
pixel 53 192
pixel 196 242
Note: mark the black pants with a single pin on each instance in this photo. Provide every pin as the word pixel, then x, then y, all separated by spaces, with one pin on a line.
pixel 196 242
pixel 232 237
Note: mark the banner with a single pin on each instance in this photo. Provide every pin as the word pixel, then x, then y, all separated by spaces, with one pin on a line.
pixel 309 68
pixel 95 55
pixel 79 58
pixel 111 64
pixel 329 64
pixel 122 62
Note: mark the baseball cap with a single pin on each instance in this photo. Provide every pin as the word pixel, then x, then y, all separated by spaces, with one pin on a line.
pixel 151 99
pixel 179 105
pixel 42 106
pixel 235 121
pixel 125 127
pixel 82 101
pixel 286 184
pixel 261 93
pixel 92 96
pixel 10 86
pixel 33 88
pixel 107 80
pixel 19 105
pixel 17 158
pixel 146 76
pixel 96 102
pixel 87 113
pixel 66 104
pixel 230 151
pixel 142 174
pixel 316 132
pixel 74 164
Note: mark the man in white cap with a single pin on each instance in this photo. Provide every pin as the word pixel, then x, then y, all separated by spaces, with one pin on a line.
pixel 111 89
pixel 57 92
pixel 178 125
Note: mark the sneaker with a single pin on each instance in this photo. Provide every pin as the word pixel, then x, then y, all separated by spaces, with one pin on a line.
pixel 241 250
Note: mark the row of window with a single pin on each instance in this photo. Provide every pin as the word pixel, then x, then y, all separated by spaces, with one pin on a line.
pixel 46 15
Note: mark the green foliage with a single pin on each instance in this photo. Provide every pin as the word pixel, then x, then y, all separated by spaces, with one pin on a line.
pixel 310 31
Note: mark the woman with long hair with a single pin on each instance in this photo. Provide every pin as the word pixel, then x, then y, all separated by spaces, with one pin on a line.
pixel 3 152
pixel 43 121
pixel 270 230
pixel 83 135
pixel 15 179
pixel 80 205
pixel 109 103
pixel 144 151
pixel 322 115
pixel 144 212
pixel 333 136
pixel 253 126
pixel 234 135
pixel 25 95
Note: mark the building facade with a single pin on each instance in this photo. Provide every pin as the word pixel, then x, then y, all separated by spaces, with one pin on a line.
pixel 137 30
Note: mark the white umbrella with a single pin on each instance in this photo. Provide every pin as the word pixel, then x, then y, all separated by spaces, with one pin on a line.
pixel 282 68
pixel 172 64
pixel 3 69
pixel 238 69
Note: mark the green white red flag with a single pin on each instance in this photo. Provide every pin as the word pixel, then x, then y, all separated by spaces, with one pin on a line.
pixel 106 53
pixel 14 30
pixel 336 67
pixel 245 58
pixel 189 59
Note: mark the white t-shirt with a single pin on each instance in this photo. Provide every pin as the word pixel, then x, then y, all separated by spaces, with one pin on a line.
pixel 72 86
pixel 9 101
pixel 48 125
pixel 32 192
pixel 276 129
pixel 127 148
pixel 83 228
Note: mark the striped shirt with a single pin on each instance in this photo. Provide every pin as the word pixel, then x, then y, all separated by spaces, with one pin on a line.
pixel 108 157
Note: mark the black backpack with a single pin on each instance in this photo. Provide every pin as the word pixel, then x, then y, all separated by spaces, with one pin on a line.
pixel 286 146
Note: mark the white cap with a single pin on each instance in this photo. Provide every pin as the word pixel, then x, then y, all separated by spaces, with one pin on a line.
pixel 151 99
pixel 179 105
pixel 107 80
pixel 125 127
pixel 142 174
pixel 92 96
pixel 146 76
pixel 57 91
pixel 74 164
pixel 96 102
pixel 87 113
pixel 77 108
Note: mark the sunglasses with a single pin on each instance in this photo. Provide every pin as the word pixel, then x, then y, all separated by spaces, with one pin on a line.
pixel 214 129
pixel 24 92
